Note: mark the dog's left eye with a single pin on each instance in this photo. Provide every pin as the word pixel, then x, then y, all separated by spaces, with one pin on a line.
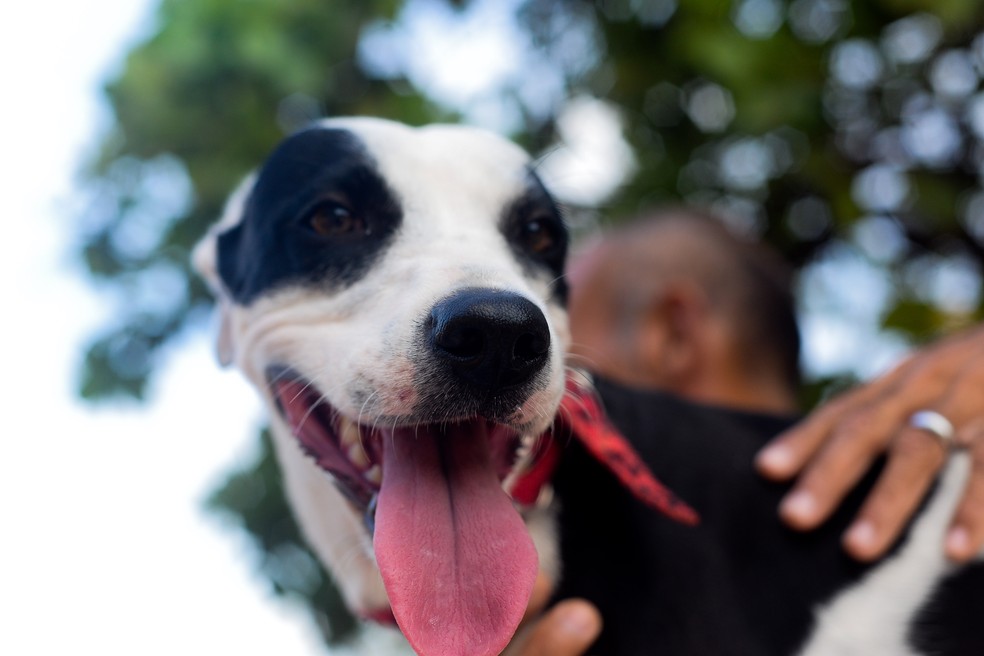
pixel 335 220
pixel 539 235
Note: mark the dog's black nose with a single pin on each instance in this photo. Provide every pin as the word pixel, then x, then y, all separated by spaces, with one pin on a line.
pixel 490 339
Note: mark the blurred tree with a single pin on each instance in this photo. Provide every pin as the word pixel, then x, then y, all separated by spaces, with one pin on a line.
pixel 197 106
pixel 848 134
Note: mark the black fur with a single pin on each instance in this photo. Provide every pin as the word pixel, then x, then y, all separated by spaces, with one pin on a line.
pixel 740 583
pixel 315 171
pixel 533 219
pixel 950 621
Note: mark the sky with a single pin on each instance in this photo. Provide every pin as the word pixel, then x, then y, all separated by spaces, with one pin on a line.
pixel 106 548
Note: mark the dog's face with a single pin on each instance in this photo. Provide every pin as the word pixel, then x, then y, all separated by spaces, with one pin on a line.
pixel 396 295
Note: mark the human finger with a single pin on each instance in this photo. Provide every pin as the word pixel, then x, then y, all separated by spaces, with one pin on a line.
pixel 542 589
pixel 854 442
pixel 965 537
pixel 794 450
pixel 568 629
pixel 914 459
pixel 863 434
pixel 787 454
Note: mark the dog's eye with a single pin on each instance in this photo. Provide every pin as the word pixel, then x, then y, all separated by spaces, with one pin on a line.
pixel 539 235
pixel 335 220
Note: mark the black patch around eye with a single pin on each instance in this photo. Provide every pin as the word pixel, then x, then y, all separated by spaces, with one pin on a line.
pixel 536 233
pixel 278 240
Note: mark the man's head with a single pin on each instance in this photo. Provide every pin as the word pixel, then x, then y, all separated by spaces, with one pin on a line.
pixel 674 301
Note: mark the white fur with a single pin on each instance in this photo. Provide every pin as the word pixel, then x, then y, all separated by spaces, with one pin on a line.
pixel 872 617
pixel 453 184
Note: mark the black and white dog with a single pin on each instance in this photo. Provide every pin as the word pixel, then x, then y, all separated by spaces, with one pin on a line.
pixel 396 295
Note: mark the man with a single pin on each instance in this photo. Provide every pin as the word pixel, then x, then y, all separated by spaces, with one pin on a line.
pixel 677 304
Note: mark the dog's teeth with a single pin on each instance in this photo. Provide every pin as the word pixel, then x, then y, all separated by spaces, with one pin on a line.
pixel 357 455
pixel 525 448
pixel 523 452
pixel 374 475
pixel 349 433
pixel 545 497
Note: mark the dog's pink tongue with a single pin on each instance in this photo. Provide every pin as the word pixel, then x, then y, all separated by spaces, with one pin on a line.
pixel 456 559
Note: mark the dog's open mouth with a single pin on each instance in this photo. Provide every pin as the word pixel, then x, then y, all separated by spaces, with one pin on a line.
pixel 454 553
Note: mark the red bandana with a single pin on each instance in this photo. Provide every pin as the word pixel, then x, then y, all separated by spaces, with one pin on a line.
pixel 581 416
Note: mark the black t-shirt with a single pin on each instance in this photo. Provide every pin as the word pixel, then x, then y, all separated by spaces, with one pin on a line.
pixel 739 583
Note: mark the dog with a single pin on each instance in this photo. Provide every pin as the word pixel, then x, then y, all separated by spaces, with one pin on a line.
pixel 396 295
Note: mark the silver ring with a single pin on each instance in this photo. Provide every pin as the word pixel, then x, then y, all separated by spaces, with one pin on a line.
pixel 934 423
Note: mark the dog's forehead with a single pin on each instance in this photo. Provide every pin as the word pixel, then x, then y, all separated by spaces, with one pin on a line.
pixel 483 165
pixel 442 158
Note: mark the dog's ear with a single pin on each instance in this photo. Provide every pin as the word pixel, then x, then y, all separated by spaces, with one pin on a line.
pixel 204 259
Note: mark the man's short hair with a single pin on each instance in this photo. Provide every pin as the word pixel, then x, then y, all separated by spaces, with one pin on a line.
pixel 746 280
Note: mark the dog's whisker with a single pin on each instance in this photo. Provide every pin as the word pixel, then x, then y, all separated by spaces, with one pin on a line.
pixel 365 404
pixel 362 412
pixel 537 162
pixel 351 550
pixel 304 388
pixel 583 359
pixel 376 422
pixel 271 382
pixel 556 279
pixel 309 412
pixel 567 436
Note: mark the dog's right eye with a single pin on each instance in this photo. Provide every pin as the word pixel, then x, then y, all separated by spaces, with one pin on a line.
pixel 538 235
pixel 334 220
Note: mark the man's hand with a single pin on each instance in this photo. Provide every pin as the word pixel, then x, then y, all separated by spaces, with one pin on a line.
pixel 567 629
pixel 832 449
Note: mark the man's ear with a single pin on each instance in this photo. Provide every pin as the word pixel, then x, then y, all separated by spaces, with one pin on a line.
pixel 677 330
pixel 204 260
